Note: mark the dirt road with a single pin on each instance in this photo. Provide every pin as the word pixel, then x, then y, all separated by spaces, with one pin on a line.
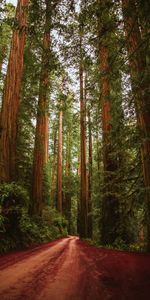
pixel 70 269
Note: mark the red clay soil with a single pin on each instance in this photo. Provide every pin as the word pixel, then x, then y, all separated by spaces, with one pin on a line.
pixel 70 269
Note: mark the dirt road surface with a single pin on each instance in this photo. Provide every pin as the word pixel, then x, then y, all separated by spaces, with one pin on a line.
pixel 70 269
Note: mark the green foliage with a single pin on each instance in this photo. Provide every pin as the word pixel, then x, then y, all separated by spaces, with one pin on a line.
pixel 92 242
pixel 17 228
pixel 2 228
pixel 12 194
pixel 138 247
pixel 55 221
pixel 120 244
pixel 42 229
pixel 13 198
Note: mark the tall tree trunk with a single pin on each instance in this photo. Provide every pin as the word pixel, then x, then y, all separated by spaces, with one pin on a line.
pixel 59 165
pixel 78 193
pixel 54 172
pixel 79 164
pixel 110 205
pixel 83 199
pixel 41 138
pixel 67 196
pixel 140 87
pixel 90 223
pixel 98 146
pixel 11 97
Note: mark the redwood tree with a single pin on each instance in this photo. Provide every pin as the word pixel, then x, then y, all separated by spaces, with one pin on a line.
pixel 67 194
pixel 110 203
pixel 11 96
pixel 90 223
pixel 41 138
pixel 54 169
pixel 59 163
pixel 83 194
pixel 140 87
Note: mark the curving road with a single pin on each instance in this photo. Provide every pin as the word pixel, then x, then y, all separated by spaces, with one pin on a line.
pixel 70 269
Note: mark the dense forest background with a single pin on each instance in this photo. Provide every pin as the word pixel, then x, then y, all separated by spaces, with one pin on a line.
pixel 75 122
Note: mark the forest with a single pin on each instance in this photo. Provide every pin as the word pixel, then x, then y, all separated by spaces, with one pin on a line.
pixel 75 123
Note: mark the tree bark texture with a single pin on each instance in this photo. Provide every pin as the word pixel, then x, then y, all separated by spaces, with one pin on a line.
pixel 11 96
pixel 140 87
pixel 67 196
pixel 59 164
pixel 41 137
pixel 83 198
pixel 54 172
pixel 110 204
pixel 90 223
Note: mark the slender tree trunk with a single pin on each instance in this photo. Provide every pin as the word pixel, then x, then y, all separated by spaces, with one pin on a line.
pixel 78 193
pixel 79 164
pixel 11 97
pixel 54 172
pixel 41 138
pixel 83 200
pixel 97 147
pixel 67 196
pixel 106 127
pixel 59 165
pixel 90 223
pixel 140 87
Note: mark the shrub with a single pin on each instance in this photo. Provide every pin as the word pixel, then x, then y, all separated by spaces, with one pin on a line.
pixel 17 228
pixel 12 194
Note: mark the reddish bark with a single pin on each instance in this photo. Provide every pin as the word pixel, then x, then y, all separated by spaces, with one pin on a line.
pixel 140 86
pixel 83 194
pixel 59 164
pixel 11 97
pixel 54 170
pixel 90 227
pixel 110 203
pixel 41 137
pixel 67 195
pixel 79 166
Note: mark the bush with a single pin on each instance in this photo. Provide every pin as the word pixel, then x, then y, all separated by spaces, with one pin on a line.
pixel 56 222
pixel 120 244
pixel 17 228
pixel 138 247
pixel 42 229
pixel 12 194
pixel 13 198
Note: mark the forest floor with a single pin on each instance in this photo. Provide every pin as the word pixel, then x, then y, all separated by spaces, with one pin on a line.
pixel 70 269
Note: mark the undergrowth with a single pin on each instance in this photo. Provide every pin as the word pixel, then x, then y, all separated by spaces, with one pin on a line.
pixel 120 245
pixel 17 229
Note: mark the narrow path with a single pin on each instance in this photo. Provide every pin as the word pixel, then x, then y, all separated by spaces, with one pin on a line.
pixel 70 269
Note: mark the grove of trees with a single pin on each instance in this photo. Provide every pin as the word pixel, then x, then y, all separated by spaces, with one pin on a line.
pixel 75 122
